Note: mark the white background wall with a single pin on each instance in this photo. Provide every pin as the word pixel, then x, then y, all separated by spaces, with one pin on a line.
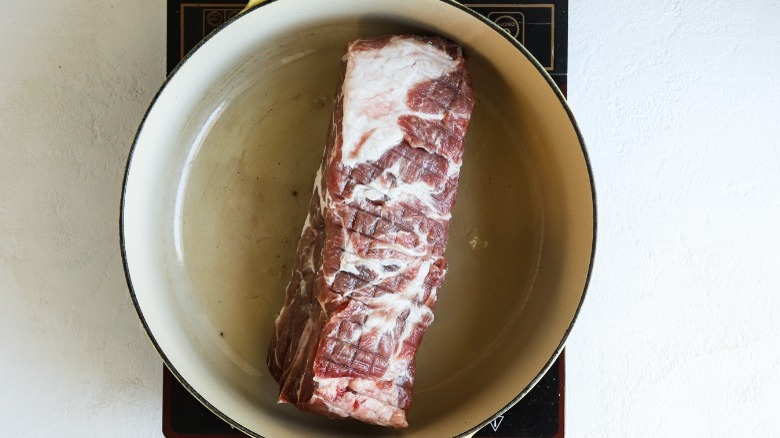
pixel 678 102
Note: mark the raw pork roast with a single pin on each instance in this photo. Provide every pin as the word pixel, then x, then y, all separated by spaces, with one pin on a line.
pixel 369 262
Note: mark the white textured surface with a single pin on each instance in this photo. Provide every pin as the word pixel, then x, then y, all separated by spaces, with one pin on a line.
pixel 677 100
pixel 75 80
pixel 680 334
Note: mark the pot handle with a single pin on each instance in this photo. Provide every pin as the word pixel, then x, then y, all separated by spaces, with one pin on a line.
pixel 252 3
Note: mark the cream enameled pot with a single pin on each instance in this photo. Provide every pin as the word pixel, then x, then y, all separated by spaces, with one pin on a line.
pixel 220 175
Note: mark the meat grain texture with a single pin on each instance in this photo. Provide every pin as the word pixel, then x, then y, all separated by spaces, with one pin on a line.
pixel 370 260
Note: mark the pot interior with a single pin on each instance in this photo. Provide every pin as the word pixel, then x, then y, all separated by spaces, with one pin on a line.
pixel 220 181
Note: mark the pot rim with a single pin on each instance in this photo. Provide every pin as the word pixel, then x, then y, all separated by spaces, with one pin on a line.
pixel 519 47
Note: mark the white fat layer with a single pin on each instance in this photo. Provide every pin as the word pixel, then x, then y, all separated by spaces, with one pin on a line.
pixel 375 88
pixel 411 252
pixel 304 341
pixel 319 189
pixel 322 190
pixel 333 391
pixel 329 388
pixel 369 389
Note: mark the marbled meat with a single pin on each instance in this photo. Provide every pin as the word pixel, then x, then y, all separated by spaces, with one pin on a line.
pixel 370 259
